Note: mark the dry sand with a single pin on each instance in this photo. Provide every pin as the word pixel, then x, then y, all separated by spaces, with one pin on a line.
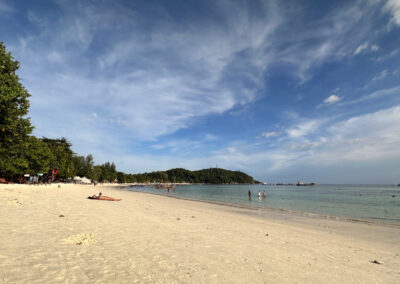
pixel 155 239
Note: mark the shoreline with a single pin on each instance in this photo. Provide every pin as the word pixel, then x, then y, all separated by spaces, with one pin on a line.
pixel 383 222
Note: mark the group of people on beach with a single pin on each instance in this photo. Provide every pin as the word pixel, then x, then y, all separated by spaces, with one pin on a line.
pixel 264 195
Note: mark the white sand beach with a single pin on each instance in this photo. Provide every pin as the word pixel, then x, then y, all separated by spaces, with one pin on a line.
pixel 56 235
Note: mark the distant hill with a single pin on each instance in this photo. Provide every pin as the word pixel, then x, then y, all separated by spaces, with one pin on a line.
pixel 180 175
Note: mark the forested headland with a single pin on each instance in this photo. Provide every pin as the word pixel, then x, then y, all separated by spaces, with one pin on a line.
pixel 22 153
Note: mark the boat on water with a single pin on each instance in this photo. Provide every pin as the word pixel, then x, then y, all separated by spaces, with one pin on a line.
pixel 300 183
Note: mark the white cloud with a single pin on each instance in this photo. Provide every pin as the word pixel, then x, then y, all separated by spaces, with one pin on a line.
pixel 270 134
pixel 361 48
pixel 387 56
pixel 332 99
pixel 154 83
pixel 393 6
pixel 374 47
pixel 326 40
pixel 383 74
pixel 374 95
pixel 359 139
pixel 148 84
pixel 304 128
pixel 365 47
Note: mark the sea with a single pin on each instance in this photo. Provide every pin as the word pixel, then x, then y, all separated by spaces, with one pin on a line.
pixel 375 203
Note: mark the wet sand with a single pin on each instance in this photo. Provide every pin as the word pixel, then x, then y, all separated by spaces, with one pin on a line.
pixel 57 235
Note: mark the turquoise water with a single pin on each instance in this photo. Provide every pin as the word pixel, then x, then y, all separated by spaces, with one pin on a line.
pixel 367 202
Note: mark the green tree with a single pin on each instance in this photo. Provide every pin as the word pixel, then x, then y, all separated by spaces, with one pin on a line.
pixel 97 173
pixel 14 126
pixel 38 155
pixel 83 166
pixel 121 177
pixel 61 156
pixel 89 163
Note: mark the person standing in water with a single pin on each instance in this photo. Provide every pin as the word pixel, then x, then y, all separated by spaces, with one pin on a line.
pixel 259 195
pixel 249 194
pixel 264 195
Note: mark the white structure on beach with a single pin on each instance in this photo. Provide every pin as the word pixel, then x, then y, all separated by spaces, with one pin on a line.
pixel 82 180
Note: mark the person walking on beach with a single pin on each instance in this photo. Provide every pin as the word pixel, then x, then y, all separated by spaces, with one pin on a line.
pixel 249 194
pixel 264 195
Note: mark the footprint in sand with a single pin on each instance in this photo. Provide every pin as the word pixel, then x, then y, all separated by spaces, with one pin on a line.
pixel 15 202
pixel 81 239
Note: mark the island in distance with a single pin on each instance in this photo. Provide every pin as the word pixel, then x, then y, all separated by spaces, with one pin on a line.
pixel 204 176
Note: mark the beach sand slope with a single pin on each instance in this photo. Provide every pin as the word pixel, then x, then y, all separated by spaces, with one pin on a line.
pixel 51 234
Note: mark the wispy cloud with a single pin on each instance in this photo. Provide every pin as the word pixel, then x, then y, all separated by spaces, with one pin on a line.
pixel 361 48
pixel 384 57
pixel 270 134
pixel 374 47
pixel 153 83
pixel 393 6
pixel 304 128
pixel 365 47
pixel 328 40
pixel 374 95
pixel 152 79
pixel 370 137
pixel 332 99
pixel 383 74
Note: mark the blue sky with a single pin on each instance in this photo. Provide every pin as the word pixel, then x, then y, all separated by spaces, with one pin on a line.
pixel 282 90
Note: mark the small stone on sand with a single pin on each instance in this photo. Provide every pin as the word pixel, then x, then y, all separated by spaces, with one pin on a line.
pixel 376 261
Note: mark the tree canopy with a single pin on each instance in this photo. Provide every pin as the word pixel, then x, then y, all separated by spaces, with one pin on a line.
pixel 14 126
pixel 179 175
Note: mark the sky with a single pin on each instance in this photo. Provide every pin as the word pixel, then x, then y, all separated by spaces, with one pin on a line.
pixel 282 90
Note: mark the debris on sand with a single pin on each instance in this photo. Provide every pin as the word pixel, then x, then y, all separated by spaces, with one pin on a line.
pixel 376 261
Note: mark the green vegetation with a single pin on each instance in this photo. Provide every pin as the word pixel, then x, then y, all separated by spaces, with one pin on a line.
pixel 14 127
pixel 21 153
pixel 211 176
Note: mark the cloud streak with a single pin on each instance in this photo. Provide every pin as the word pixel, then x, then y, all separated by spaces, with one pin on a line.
pixel 393 6
pixel 365 138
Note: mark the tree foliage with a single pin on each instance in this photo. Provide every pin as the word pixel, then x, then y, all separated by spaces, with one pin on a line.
pixel 14 126
pixel 179 175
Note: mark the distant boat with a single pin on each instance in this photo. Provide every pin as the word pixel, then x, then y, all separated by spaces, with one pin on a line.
pixel 305 184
